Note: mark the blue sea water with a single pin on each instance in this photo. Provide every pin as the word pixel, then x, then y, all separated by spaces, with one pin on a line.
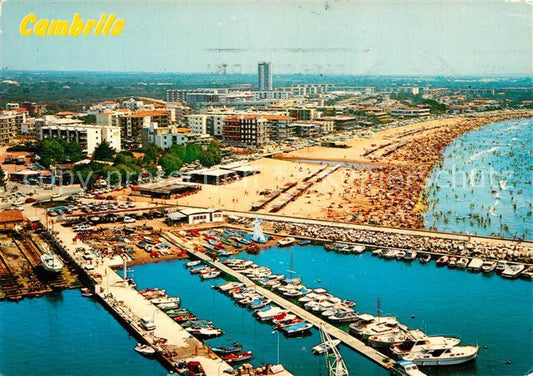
pixel 484 183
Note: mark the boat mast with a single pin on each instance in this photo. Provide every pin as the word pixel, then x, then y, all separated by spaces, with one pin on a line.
pixel 334 361
pixel 378 308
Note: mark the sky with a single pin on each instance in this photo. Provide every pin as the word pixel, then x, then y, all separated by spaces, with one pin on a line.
pixel 431 37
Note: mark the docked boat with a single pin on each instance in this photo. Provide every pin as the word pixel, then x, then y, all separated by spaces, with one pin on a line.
pixel 443 260
pixel 452 262
pixel 210 275
pixel 268 313
pixel 238 358
pixel 226 350
pixel 304 242
pixel 418 341
pixel 410 256
pixel 325 347
pixel 462 263
pixel 425 258
pixel 297 329
pixel 475 264
pixel 502 264
pixel 286 242
pixel 86 292
pixel 144 349
pixel 512 271
pixel 358 249
pixel 527 274
pixel 389 254
pixel 194 263
pixel 51 263
pixel 377 252
pixel 198 269
pixel 171 305
pixel 443 357
pixel 166 300
pixel 489 266
pixel 405 368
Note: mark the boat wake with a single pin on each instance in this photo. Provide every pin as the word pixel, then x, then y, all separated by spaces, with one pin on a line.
pixel 483 152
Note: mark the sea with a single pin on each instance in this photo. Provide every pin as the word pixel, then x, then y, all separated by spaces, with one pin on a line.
pixel 66 334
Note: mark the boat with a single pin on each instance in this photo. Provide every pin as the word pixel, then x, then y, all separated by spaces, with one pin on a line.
pixel 405 368
pixel 489 266
pixel 475 264
pixel 389 254
pixel 171 305
pixel 452 262
pixel 400 255
pixel 51 263
pixel 297 329
pixel 410 256
pixel 304 242
pixel 425 258
pixel 462 263
pixel 226 350
pixel 325 347
pixel 210 275
pixel 418 341
pixel 157 301
pixel 443 260
pixel 286 242
pixel 191 264
pixel 443 357
pixel 259 303
pixel 377 252
pixel 198 269
pixel 527 274
pixel 268 313
pixel 358 249
pixel 238 358
pixel 512 271
pixel 502 264
pixel 144 349
pixel 86 292
pixel 192 368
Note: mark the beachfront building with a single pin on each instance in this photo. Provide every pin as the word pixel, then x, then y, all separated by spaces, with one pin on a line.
pixel 280 127
pixel 165 137
pixel 194 216
pixel 264 75
pixel 303 113
pixel 314 128
pixel 10 125
pixel 132 125
pixel 246 130
pixel 410 112
pixel 88 136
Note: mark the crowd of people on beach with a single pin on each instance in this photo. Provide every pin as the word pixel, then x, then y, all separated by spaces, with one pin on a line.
pixel 498 250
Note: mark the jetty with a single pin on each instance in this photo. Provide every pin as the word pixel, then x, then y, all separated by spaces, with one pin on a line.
pixel 350 341
pixel 173 344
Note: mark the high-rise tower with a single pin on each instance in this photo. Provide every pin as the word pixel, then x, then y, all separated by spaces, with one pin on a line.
pixel 264 75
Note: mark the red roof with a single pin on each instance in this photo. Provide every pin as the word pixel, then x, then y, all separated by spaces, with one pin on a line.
pixel 11 216
pixel 147 113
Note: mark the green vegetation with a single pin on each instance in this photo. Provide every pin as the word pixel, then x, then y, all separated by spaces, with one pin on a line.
pixel 104 152
pixel 57 150
pixel 170 163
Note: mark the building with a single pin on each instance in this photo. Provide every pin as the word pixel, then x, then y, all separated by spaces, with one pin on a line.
pixel 410 112
pixel 264 75
pixel 196 123
pixel 215 119
pixel 165 137
pixel 10 218
pixel 194 216
pixel 313 128
pixel 247 130
pixel 88 136
pixel 303 113
pixel 302 90
pixel 280 127
pixel 12 106
pixel 132 125
pixel 10 125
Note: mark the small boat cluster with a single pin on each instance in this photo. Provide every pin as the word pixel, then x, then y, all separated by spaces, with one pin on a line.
pixel 344 248
pixel 388 335
pixel 202 329
pixel 205 271
pixel 221 242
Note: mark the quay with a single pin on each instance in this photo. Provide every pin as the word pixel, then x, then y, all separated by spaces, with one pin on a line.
pixel 349 340
pixel 172 343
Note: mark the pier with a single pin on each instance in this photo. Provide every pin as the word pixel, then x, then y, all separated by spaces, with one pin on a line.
pixel 345 338
pixel 172 343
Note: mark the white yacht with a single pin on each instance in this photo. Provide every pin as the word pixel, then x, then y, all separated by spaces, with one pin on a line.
pixel 51 263
pixel 443 357
pixel 418 341
pixel 286 242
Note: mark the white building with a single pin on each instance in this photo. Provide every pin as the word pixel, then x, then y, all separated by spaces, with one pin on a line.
pixel 88 136
pixel 410 112
pixel 12 106
pixel 196 123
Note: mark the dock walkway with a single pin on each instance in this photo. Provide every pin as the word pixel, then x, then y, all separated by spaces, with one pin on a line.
pixel 341 335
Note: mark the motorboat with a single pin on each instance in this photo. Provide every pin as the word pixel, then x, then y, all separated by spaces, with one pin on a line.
pixel 443 260
pixel 400 255
pixel 364 322
pixel 343 317
pixel 286 242
pixel 452 262
pixel 165 300
pixel 210 275
pixel 512 271
pixel 259 303
pixel 425 258
pixel 475 264
pixel 502 264
pixel 358 249
pixel 417 341
pixel 297 329
pixel 198 269
pixel 191 264
pixel 171 305
pixel 489 266
pixel 389 254
pixel 377 252
pixel 144 349
pixel 527 274
pixel 410 256
pixel 226 350
pixel 443 357
pixel 405 368
pixel 325 347
pixel 462 263
pixel 86 292
pixel 268 313
pixel 238 358
pixel 51 263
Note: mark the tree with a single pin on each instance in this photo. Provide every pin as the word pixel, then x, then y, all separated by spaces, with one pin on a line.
pixel 192 153
pixel 57 150
pixel 170 163
pixel 210 156
pixel 151 154
pixel 104 152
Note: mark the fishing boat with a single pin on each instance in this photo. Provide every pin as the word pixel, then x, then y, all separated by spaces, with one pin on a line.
pixel 444 357
pixel 51 262
pixel 325 347
pixel 86 292
pixel 512 271
pixel 405 368
pixel 425 258
pixel 144 349
pixel 489 266
pixel 298 329
pixel 238 358
pixel 285 242
pixel 226 350
pixel 443 260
